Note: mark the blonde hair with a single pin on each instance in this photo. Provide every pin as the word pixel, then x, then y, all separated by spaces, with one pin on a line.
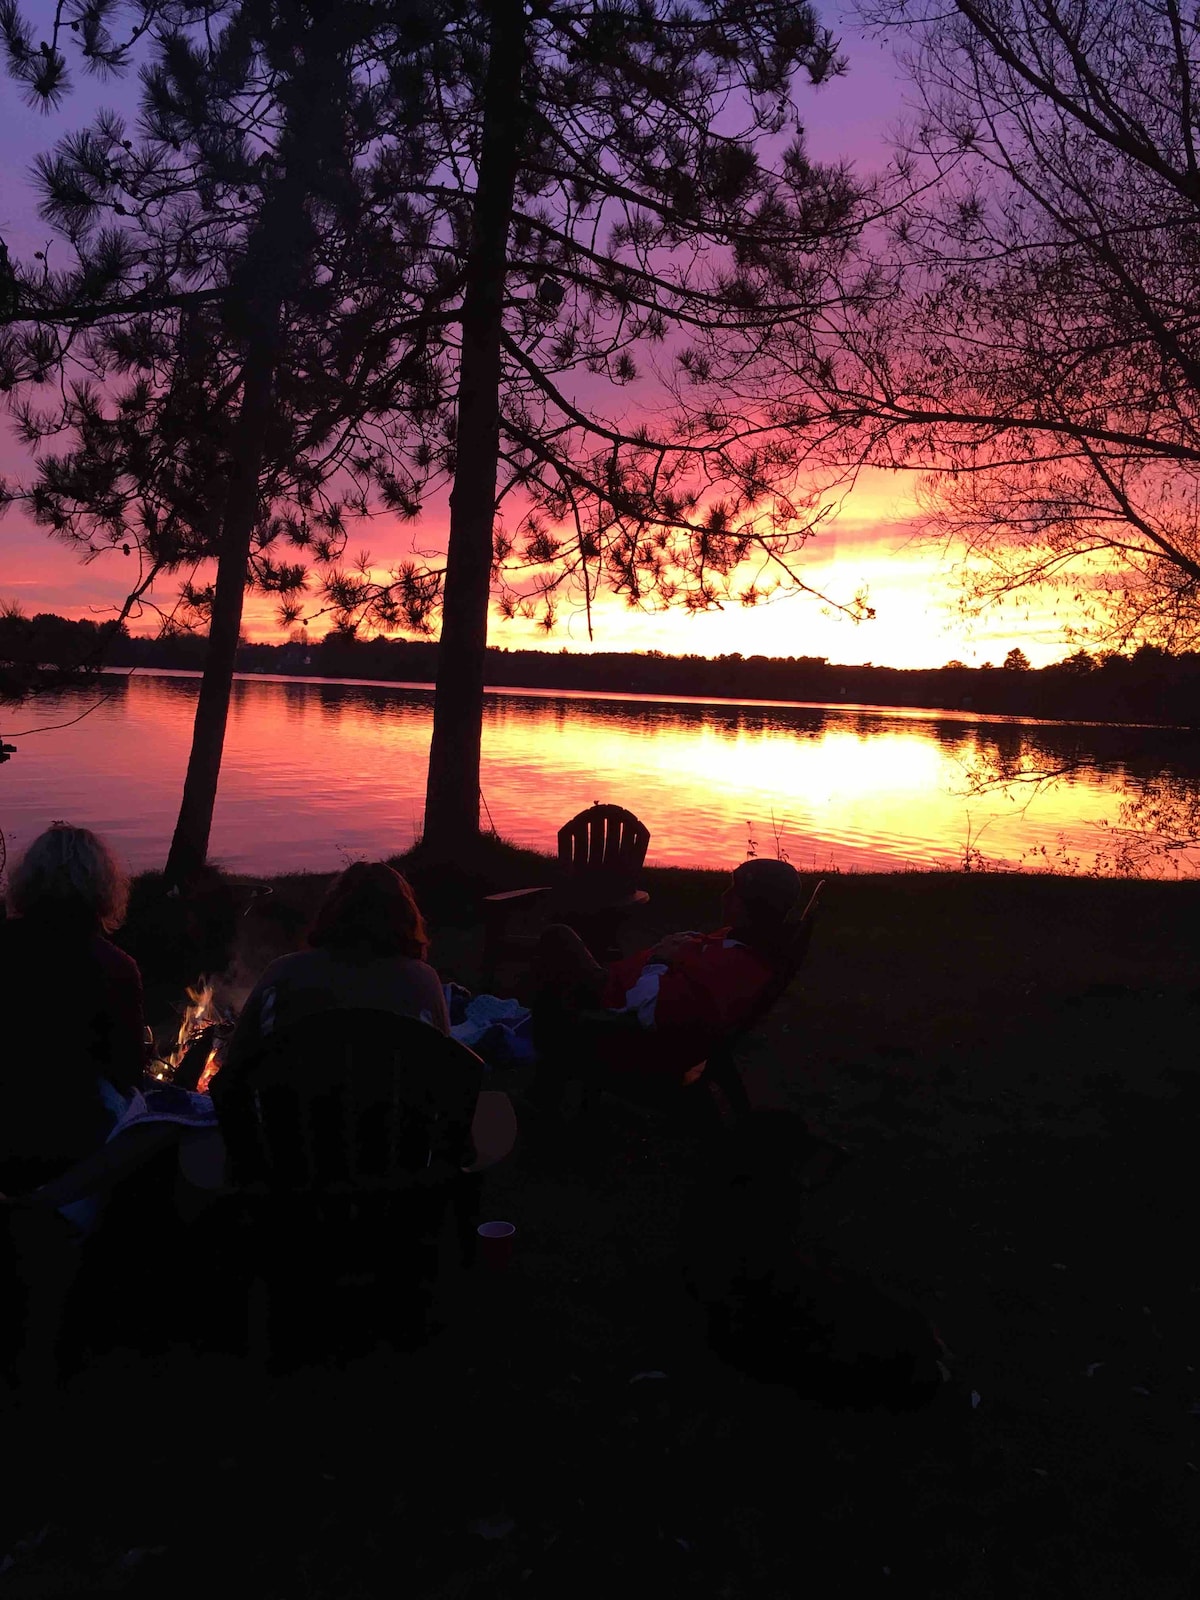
pixel 69 870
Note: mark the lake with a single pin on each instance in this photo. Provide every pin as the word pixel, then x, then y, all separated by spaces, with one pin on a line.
pixel 318 772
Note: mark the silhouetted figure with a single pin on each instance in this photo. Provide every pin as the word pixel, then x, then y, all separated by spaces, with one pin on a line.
pixel 677 999
pixel 70 1007
pixel 367 952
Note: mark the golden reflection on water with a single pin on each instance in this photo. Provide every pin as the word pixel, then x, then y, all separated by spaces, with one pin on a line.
pixel 318 772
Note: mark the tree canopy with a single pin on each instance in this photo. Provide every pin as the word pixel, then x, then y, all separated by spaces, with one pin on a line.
pixel 1031 342
pixel 649 234
pixel 356 252
pixel 248 193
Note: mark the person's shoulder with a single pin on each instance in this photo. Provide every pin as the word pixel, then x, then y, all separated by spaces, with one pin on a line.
pixel 15 954
pixel 295 964
pixel 419 976
pixel 24 933
pixel 421 969
pixel 114 959
pixel 297 969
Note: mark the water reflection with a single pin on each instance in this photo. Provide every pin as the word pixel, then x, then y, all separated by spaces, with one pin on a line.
pixel 318 771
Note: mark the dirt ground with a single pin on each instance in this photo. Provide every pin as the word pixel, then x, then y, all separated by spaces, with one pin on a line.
pixel 1012 1061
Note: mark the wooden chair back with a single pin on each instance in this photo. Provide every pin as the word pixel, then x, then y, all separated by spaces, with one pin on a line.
pixel 348 1103
pixel 794 945
pixel 721 1070
pixel 600 853
pixel 604 844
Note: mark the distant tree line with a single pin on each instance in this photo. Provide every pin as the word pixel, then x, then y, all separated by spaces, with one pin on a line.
pixel 1147 686
pixel 45 651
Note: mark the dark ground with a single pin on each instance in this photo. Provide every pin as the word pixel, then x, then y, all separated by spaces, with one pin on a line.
pixel 1014 1062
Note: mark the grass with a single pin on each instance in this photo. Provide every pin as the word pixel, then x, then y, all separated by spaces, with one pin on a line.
pixel 1013 1060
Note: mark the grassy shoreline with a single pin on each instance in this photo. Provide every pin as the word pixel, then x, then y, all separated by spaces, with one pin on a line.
pixel 930 962
pixel 1067 924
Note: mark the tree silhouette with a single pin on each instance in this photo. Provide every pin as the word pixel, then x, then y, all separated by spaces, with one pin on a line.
pixel 238 355
pixel 607 170
pixel 505 213
pixel 1035 347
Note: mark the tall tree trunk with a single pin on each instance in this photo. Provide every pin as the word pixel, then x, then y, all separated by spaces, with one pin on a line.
pixel 452 791
pixel 189 845
pixel 272 270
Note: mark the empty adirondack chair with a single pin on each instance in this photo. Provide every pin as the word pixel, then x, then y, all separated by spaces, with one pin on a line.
pixel 347 1138
pixel 600 855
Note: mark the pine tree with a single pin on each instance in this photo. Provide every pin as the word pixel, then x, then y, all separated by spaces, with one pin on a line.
pixel 244 329
pixel 571 196
pixel 625 185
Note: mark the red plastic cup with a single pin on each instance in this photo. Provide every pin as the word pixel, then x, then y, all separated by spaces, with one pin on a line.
pixel 495 1244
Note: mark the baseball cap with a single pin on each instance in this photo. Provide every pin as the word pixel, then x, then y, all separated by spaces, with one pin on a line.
pixel 770 886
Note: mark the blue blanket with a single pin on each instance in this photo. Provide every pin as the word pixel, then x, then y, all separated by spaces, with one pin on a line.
pixel 500 1031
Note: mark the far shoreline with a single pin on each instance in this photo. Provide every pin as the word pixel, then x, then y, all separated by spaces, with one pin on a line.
pixel 898 712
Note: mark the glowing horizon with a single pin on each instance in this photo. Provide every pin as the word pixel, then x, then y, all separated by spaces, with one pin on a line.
pixel 917 622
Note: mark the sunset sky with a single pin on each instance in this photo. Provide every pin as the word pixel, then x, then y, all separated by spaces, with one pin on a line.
pixel 869 544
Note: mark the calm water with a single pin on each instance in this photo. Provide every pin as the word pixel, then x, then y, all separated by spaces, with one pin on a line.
pixel 316 772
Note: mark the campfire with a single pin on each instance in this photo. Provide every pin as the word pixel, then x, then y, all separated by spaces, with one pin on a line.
pixel 203 1030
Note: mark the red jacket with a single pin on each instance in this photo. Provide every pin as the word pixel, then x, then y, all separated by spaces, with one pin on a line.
pixel 711 986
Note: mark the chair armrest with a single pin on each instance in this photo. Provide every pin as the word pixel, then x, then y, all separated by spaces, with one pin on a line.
pixel 596 901
pixel 508 895
pixel 98 1172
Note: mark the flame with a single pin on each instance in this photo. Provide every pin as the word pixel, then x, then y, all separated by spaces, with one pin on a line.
pixel 211 1067
pixel 199 1012
pixel 202 1014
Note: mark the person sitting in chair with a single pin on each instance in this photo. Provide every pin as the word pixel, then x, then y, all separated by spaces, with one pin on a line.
pixel 71 1004
pixel 680 996
pixel 367 949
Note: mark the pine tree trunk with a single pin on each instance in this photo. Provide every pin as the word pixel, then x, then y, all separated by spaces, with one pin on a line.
pixel 273 267
pixel 189 845
pixel 452 791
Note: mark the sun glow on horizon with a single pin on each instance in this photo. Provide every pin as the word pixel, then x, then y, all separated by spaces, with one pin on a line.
pixel 917 623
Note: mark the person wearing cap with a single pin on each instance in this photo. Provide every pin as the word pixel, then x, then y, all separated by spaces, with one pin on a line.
pixel 682 995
